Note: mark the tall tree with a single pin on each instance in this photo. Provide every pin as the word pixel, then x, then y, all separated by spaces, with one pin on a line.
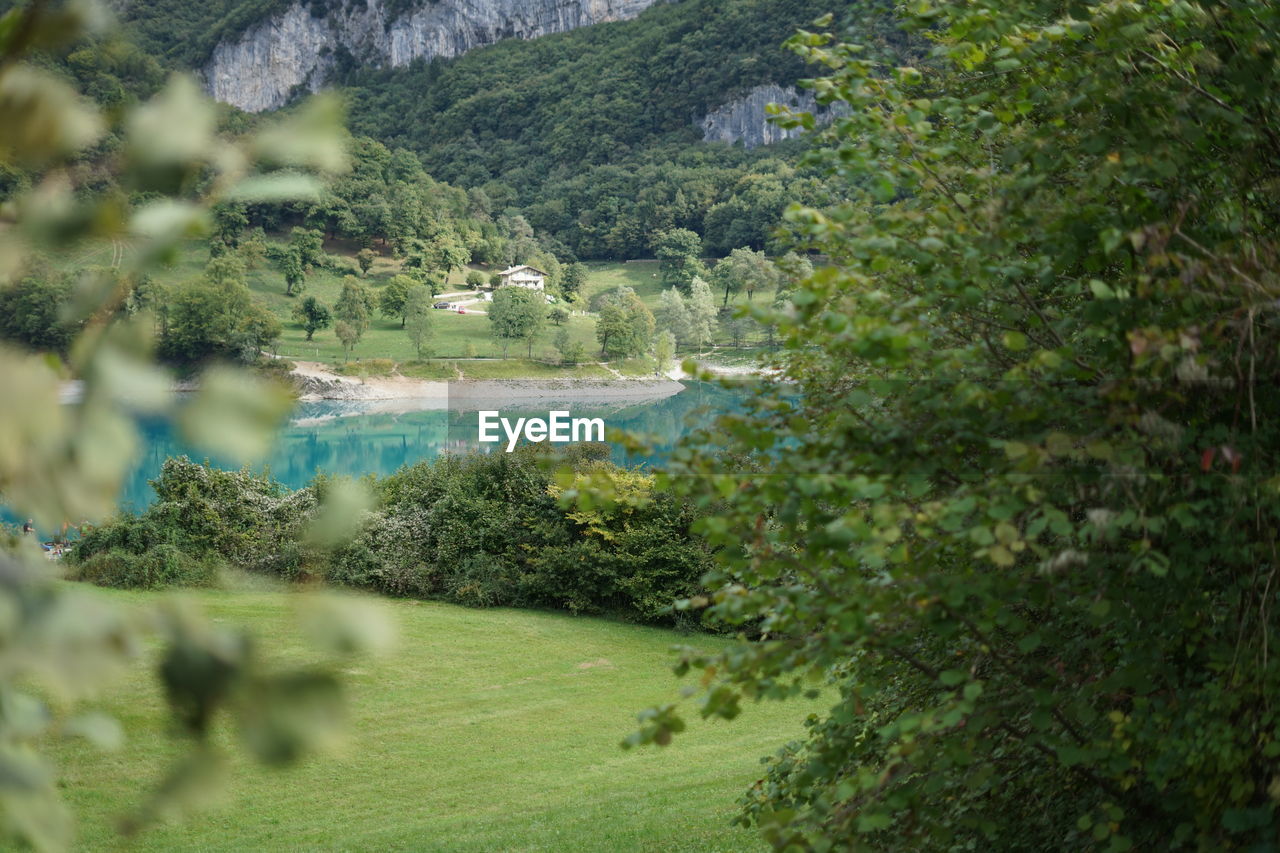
pixel 575 276
pixel 294 275
pixel 664 350
pixel 348 335
pixel 229 222
pixel 418 318
pixel 673 315
pixel 702 313
pixel 679 253
pixel 515 314
pixel 309 244
pixel 352 312
pixel 625 325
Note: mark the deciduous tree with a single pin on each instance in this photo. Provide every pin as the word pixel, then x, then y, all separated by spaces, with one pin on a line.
pixel 394 299
pixel 679 252
pixel 313 315
pixel 702 313
pixel 418 320
pixel 1012 500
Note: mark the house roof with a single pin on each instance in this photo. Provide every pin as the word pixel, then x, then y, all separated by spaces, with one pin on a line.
pixel 511 270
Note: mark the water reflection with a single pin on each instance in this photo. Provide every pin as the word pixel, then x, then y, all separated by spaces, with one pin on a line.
pixel 353 439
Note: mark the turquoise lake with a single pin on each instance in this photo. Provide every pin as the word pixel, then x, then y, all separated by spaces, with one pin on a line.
pixel 355 438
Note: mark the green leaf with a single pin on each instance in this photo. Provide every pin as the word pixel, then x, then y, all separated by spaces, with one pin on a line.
pixel 102 731
pixel 234 414
pixel 1015 341
pixel 1100 289
pixel 44 119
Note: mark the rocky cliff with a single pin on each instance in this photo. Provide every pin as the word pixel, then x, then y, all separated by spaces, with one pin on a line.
pixel 746 120
pixel 259 69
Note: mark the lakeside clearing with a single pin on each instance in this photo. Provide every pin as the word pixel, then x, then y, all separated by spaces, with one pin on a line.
pixel 459 343
pixel 485 730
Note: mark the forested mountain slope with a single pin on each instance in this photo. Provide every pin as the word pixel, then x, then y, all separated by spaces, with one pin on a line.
pixel 594 135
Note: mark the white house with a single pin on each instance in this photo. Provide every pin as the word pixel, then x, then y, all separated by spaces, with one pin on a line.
pixel 523 276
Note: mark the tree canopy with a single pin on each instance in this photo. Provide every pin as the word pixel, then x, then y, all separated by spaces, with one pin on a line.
pixel 1013 498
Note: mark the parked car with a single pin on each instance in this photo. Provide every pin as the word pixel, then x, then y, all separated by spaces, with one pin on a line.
pixel 442 305
pixel 461 310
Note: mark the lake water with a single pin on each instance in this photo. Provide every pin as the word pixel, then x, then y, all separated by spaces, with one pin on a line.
pixel 379 437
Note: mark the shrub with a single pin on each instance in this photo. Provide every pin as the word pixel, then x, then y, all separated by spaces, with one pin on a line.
pixel 159 567
pixel 483 530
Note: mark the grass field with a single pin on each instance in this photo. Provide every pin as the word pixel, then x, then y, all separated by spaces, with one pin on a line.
pixel 486 730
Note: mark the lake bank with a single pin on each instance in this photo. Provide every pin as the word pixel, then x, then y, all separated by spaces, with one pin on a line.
pixel 314 382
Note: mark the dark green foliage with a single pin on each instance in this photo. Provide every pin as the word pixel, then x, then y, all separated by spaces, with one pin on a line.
pixel 625 325
pixel 678 251
pixel 486 529
pixel 1022 515
pixel 163 565
pixel 482 530
pixel 206 320
pixel 516 314
pixel 575 275
pixel 244 520
pixel 184 34
pixel 32 312
pixel 593 93
pixel 313 314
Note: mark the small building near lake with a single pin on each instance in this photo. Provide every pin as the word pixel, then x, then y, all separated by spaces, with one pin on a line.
pixel 524 276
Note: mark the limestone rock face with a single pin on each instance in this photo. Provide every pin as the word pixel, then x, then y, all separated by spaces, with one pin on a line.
pixel 260 69
pixel 745 120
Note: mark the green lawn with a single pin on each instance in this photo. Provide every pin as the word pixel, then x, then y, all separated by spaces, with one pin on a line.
pixel 486 730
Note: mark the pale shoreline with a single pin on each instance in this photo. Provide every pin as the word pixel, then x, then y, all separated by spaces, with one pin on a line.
pixel 315 382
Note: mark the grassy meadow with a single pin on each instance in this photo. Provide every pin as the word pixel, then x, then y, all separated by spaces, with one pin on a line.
pixel 485 730
pixel 456 339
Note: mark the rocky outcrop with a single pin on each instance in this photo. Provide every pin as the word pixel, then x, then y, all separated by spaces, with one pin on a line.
pixel 295 48
pixel 746 120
